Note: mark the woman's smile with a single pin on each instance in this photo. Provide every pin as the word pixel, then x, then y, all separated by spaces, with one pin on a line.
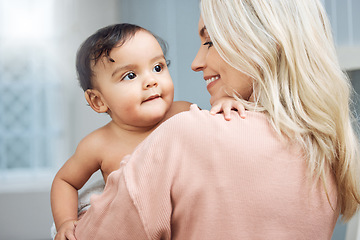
pixel 210 81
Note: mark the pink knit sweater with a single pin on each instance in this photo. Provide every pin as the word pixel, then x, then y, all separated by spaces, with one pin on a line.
pixel 200 177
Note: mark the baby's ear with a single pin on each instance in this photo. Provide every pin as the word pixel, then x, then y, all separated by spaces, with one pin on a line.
pixel 94 99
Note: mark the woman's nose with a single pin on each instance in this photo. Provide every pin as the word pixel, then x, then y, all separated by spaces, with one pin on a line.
pixel 198 63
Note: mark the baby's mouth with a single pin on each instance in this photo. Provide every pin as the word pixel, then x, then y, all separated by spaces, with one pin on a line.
pixel 152 97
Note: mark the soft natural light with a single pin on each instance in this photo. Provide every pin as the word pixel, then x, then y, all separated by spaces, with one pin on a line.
pixel 23 20
pixel 29 125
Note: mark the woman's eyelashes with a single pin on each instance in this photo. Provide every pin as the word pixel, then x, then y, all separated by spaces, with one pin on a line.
pixel 208 43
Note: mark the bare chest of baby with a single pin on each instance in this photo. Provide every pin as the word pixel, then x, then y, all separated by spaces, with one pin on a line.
pixel 114 153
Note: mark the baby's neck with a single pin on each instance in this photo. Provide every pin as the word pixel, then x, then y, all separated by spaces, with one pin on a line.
pixel 131 130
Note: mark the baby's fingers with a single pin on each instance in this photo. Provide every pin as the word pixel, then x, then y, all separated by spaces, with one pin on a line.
pixel 216 108
pixel 225 105
pixel 226 109
pixel 240 108
pixel 70 235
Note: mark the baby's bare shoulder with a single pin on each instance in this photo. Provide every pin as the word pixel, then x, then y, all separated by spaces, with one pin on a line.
pixel 178 107
pixel 95 140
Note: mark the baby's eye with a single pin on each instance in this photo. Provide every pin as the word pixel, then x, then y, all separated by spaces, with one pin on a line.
pixel 158 68
pixel 129 76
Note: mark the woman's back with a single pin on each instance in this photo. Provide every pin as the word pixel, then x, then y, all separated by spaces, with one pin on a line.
pixel 245 183
pixel 201 177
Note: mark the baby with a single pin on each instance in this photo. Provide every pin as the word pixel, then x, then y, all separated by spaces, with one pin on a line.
pixel 123 70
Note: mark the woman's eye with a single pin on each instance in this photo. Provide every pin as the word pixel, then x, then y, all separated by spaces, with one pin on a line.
pixel 157 68
pixel 129 76
pixel 209 44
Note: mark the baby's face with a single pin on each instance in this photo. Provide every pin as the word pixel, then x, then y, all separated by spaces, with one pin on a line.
pixel 136 87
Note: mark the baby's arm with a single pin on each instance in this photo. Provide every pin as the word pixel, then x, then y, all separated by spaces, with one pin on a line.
pixel 225 105
pixel 70 178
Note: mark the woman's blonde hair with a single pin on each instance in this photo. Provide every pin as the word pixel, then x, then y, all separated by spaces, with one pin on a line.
pixel 286 46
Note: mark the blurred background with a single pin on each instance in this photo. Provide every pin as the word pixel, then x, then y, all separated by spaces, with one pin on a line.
pixel 43 112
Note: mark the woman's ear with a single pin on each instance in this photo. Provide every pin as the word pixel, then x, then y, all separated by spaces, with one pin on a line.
pixel 94 99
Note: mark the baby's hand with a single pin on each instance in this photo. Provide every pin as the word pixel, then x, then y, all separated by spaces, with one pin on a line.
pixel 225 105
pixel 66 231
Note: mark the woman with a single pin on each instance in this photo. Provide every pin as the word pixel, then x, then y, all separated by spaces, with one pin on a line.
pixel 284 172
pixel 288 50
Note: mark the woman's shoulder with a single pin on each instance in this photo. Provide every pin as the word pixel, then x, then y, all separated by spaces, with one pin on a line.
pixel 196 121
pixel 177 107
pixel 186 119
pixel 195 114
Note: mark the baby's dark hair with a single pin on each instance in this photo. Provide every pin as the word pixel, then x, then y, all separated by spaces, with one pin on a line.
pixel 100 44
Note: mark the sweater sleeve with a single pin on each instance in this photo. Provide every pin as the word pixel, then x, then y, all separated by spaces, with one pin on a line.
pixel 136 202
pixel 112 214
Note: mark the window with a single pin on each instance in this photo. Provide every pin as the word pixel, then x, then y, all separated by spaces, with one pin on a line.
pixel 345 20
pixel 30 113
pixel 27 110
